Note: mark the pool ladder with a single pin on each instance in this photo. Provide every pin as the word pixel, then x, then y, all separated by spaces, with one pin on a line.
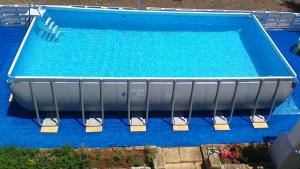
pixel 50 29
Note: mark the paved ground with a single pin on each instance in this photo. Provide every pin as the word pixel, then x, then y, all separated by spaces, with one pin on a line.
pixel 277 5
pixel 182 158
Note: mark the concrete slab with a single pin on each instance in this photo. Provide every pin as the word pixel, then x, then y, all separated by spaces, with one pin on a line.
pixel 94 123
pixel 159 161
pixel 179 119
pixel 190 154
pixel 220 120
pixel 221 127
pixel 180 166
pixel 94 119
pixel 137 119
pixel 260 125
pixel 52 129
pixel 237 166
pixel 50 119
pixel 141 128
pixel 93 129
pixel 258 121
pixel 180 122
pixel 198 165
pixel 180 127
pixel 171 155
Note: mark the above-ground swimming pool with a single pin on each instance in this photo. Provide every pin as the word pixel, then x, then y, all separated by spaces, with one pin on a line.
pixel 164 60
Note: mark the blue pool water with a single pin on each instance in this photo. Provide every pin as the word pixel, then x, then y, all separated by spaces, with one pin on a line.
pixel 131 44
pixel 17 127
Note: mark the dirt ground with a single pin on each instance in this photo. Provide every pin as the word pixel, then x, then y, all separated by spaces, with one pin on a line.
pixel 273 5
pixel 108 158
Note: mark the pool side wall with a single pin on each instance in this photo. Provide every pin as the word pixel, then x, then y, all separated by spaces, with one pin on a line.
pixel 119 94
pixel 160 91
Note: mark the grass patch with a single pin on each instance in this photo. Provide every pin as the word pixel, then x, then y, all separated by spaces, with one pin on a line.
pixel 67 157
pixel 64 157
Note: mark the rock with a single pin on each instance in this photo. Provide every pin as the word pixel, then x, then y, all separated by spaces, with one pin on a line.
pixel 180 166
pixel 159 161
pixel 214 161
pixel 190 154
pixel 171 155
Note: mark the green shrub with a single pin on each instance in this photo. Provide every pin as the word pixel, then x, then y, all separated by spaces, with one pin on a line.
pixel 135 161
pixel 25 158
pixel 149 155
pixel 12 157
pixel 255 153
pixel 118 156
pixel 98 155
pixel 66 157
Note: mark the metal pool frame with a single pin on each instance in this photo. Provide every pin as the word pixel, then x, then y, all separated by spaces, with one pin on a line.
pixel 280 86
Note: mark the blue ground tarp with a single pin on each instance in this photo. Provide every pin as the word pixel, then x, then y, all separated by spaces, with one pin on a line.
pixel 18 128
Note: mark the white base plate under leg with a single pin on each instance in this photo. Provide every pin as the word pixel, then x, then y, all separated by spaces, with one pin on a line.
pixel 258 121
pixel 50 123
pixel 220 123
pixel 93 123
pixel 180 123
pixel 137 122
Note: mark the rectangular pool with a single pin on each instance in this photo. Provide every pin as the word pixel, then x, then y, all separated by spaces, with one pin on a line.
pixel 153 55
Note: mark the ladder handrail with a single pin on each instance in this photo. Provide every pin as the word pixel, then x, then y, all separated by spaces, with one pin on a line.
pixel 42 2
pixel 37 8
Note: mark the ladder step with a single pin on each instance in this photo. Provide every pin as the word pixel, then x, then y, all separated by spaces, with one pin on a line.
pixel 55 29
pixel 48 21
pixel 57 34
pixel 51 25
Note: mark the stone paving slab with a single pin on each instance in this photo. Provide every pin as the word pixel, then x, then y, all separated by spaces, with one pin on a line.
pixel 159 161
pixel 190 154
pixel 198 165
pixel 171 155
pixel 180 166
pixel 237 166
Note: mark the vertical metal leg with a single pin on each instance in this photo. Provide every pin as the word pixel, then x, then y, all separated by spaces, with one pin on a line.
pixel 173 101
pixel 147 100
pixel 234 99
pixel 102 103
pixel 257 99
pixel 35 104
pixel 82 102
pixel 274 99
pixel 55 101
pixel 217 100
pixel 128 101
pixel 191 102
